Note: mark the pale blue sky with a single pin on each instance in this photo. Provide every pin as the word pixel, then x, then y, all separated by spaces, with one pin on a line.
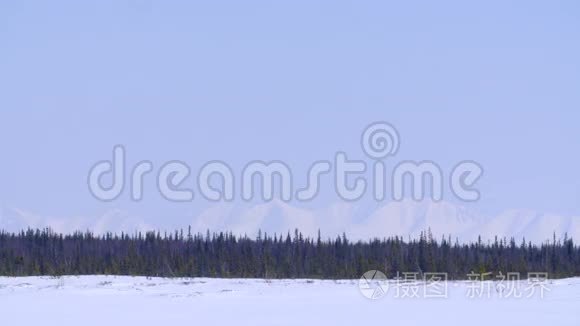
pixel 497 82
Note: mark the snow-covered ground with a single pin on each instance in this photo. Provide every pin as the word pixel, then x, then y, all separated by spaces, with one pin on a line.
pixel 108 300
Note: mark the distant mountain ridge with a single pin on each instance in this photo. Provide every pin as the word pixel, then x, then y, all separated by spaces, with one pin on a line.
pixel 405 219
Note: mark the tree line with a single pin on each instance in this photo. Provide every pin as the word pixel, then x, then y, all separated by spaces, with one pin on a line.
pixel 185 254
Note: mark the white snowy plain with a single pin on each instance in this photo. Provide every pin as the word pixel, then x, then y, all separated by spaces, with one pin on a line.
pixel 124 300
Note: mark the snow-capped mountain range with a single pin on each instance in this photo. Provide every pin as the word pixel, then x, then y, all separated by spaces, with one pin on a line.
pixel 406 218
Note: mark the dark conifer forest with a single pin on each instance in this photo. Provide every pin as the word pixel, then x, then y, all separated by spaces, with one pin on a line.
pixel 185 254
